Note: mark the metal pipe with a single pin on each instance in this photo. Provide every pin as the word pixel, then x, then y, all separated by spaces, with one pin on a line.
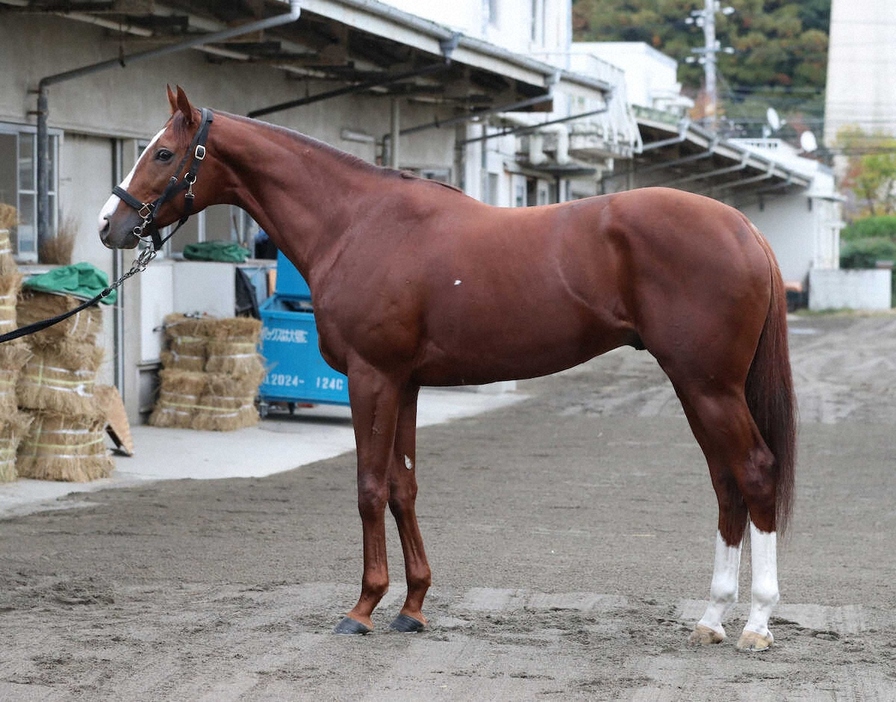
pixel 43 139
pixel 349 89
pixel 536 127
pixel 474 115
pixel 396 130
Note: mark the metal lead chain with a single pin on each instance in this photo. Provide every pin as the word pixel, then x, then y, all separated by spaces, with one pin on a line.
pixel 140 264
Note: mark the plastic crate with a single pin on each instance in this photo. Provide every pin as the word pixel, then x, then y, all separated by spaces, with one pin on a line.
pixel 290 282
pixel 296 370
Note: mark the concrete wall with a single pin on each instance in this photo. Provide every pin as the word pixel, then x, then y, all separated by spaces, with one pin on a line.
pixel 861 79
pixel 850 289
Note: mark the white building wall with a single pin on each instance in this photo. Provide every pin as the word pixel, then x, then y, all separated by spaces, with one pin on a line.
pixel 651 77
pixel 861 79
pixel 789 224
pixel 522 26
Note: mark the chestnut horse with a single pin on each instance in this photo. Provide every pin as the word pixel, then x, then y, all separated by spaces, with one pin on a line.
pixel 415 284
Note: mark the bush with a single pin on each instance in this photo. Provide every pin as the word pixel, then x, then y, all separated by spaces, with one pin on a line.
pixel 882 227
pixel 865 253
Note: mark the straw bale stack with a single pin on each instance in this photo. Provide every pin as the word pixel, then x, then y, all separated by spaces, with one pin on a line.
pixel 13 356
pixel 8 219
pixel 57 389
pixel 179 396
pixel 10 278
pixel 65 447
pixel 13 428
pixel 83 327
pixel 212 370
pixel 13 423
pixel 61 378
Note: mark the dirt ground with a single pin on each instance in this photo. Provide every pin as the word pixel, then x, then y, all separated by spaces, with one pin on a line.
pixel 571 539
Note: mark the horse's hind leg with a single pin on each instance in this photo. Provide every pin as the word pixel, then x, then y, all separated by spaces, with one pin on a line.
pixel 740 465
pixel 402 503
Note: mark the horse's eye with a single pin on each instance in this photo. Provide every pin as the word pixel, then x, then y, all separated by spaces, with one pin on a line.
pixel 164 155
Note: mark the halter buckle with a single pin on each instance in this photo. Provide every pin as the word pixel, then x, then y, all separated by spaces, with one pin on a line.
pixel 200 152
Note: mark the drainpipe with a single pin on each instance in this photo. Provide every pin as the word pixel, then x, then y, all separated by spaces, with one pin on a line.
pixel 43 109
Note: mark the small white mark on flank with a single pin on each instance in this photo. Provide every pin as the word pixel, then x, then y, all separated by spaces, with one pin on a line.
pixel 408 463
pixel 457 282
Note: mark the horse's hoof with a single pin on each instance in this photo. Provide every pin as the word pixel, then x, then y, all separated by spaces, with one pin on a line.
pixel 407 624
pixel 703 636
pixel 351 626
pixel 753 641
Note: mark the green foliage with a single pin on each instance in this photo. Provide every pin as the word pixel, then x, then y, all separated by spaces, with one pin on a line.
pixel 882 227
pixel 780 45
pixel 871 170
pixel 865 253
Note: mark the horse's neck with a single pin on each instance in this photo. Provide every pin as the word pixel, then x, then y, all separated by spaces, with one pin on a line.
pixel 301 192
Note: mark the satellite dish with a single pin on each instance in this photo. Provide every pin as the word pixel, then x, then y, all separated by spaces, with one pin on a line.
pixel 808 142
pixel 774 121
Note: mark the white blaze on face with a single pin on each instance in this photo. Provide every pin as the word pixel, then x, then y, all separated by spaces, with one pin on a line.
pixel 112 202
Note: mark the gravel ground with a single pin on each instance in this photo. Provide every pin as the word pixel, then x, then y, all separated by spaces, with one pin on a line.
pixel 571 539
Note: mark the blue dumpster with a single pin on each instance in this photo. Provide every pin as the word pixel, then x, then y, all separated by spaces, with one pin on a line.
pixel 296 371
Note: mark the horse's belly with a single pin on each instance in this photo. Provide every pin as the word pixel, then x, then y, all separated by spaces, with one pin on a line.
pixel 475 355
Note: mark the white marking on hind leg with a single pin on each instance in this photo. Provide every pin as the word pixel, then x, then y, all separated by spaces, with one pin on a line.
pixel 722 593
pixel 764 556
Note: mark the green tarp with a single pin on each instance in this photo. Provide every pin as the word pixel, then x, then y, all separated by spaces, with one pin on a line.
pixel 224 251
pixel 81 280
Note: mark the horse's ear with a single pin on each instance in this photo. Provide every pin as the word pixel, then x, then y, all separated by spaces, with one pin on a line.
pixel 183 104
pixel 172 99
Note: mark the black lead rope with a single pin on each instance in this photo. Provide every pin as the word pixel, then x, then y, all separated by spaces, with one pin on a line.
pixel 140 264
pixel 147 212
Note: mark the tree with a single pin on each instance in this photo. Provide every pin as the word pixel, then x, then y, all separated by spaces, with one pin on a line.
pixel 780 57
pixel 871 170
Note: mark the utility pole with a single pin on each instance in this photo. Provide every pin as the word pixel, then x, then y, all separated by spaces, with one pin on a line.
pixel 706 19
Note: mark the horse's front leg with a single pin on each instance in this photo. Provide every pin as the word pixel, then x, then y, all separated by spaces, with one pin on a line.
pixel 402 503
pixel 374 401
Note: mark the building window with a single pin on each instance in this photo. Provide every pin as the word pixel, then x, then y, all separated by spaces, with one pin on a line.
pixel 18 185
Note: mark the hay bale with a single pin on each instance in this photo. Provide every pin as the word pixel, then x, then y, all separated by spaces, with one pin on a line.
pixel 9 216
pixel 228 403
pixel 240 358
pixel 61 378
pixel 63 447
pixel 13 356
pixel 13 428
pixel 233 328
pixel 83 327
pixel 186 353
pixel 185 342
pixel 179 396
pixel 10 284
pixel 212 370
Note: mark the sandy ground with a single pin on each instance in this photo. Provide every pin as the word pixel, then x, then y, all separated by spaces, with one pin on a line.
pixel 571 540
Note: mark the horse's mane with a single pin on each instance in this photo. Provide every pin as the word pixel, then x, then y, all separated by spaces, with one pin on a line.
pixel 338 154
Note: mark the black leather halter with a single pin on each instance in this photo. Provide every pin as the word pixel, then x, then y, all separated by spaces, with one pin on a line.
pixel 148 210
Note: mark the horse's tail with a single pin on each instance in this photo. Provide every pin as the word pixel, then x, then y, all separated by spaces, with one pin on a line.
pixel 770 396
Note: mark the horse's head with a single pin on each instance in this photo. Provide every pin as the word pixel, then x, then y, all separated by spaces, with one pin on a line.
pixel 160 188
